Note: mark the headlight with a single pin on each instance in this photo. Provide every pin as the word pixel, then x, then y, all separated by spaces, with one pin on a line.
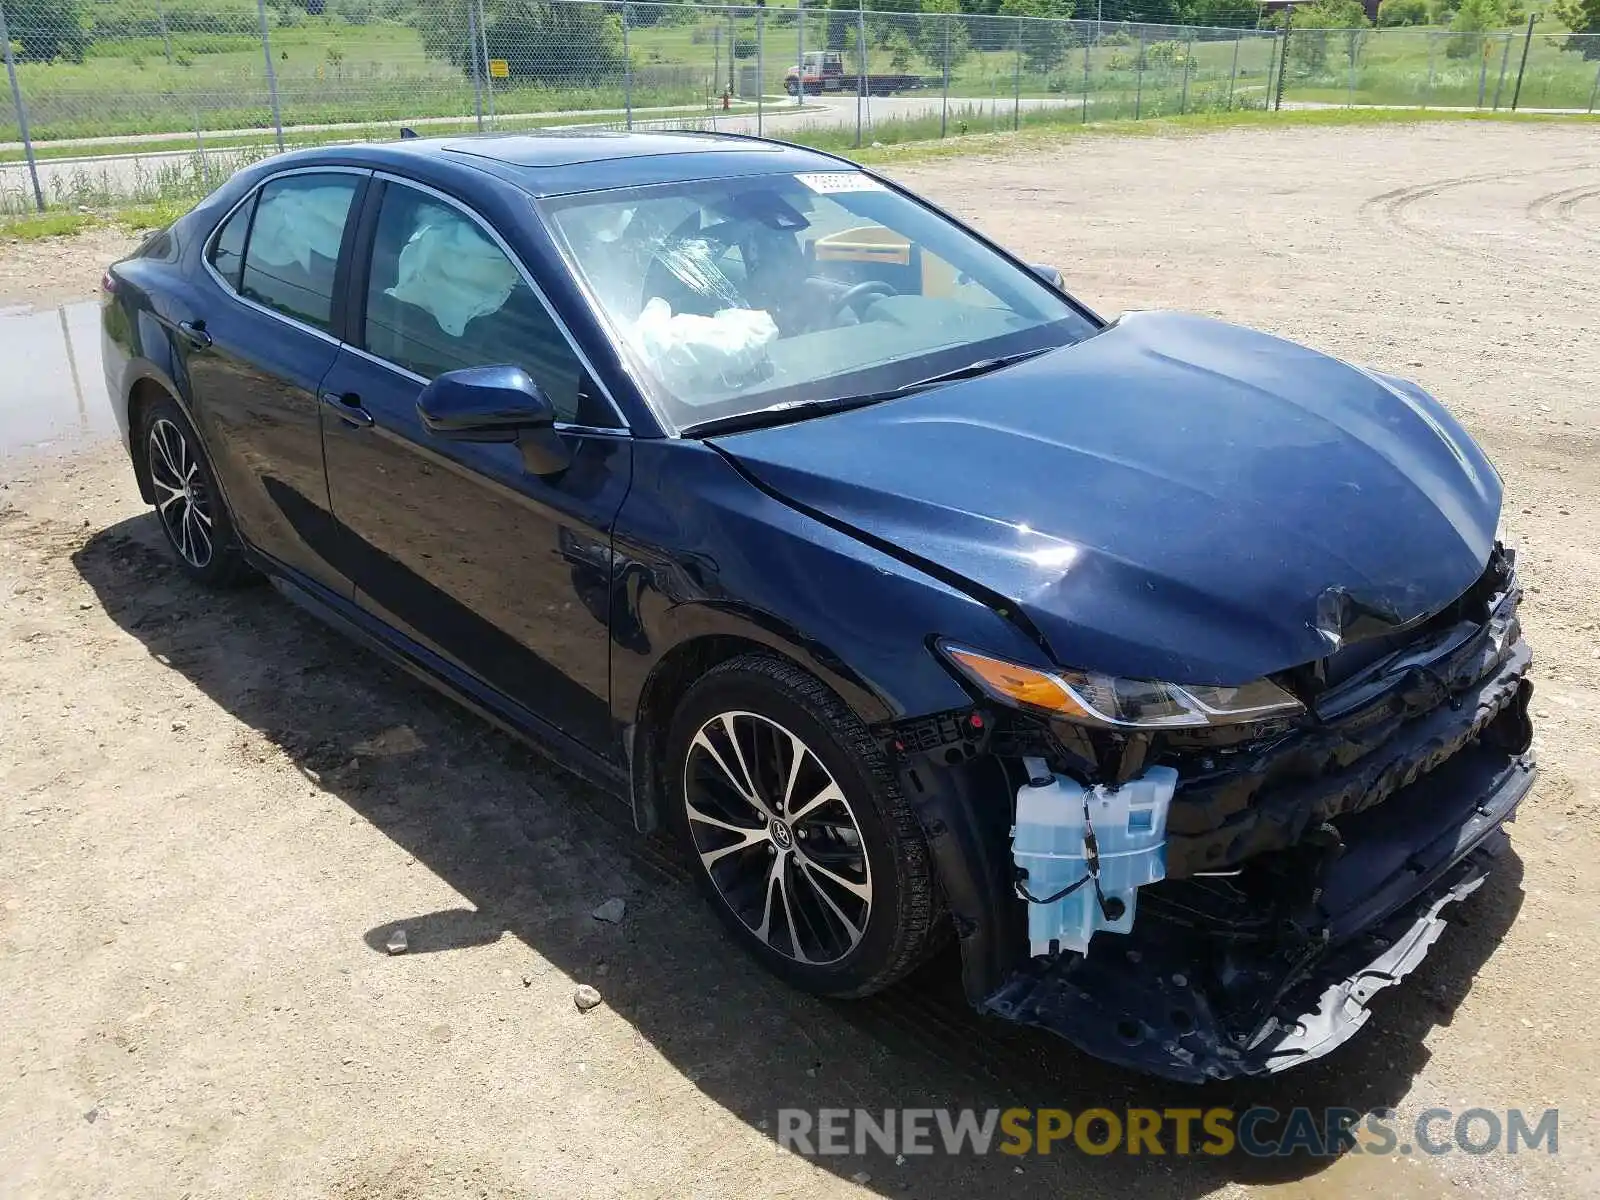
pixel 1106 700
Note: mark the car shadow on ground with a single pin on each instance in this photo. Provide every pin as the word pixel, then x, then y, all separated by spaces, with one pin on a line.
pixel 534 850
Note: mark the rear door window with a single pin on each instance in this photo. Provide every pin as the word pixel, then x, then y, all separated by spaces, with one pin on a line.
pixel 292 251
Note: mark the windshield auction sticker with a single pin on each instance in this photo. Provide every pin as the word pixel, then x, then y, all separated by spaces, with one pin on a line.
pixel 828 183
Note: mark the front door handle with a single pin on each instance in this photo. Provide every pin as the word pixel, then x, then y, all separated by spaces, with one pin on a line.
pixel 347 408
pixel 195 332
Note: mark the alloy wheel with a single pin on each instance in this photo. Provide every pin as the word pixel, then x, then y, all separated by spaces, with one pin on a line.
pixel 183 500
pixel 777 837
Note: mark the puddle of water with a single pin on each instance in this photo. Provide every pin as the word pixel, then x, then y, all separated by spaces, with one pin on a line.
pixel 52 389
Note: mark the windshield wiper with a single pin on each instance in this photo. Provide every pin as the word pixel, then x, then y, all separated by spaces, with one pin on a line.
pixel 781 414
pixel 794 410
pixel 972 370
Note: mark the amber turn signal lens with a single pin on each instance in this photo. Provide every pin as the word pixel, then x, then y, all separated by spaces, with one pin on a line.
pixel 1017 683
pixel 1116 703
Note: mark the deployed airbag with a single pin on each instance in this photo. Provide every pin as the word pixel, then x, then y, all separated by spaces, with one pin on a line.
pixel 454 273
pixel 688 349
pixel 292 224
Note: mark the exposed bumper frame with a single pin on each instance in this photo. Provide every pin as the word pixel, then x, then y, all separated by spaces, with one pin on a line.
pixel 1144 1006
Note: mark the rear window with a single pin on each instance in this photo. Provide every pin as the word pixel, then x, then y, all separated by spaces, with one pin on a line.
pixel 227 249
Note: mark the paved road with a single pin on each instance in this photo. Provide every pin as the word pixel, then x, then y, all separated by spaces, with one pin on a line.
pixel 108 144
pixel 122 173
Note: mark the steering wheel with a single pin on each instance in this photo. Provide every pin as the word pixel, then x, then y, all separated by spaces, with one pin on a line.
pixel 862 291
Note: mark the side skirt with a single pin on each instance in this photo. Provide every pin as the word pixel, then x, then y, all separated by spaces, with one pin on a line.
pixel 493 706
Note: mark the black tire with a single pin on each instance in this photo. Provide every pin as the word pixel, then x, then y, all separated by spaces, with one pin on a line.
pixel 195 520
pixel 887 855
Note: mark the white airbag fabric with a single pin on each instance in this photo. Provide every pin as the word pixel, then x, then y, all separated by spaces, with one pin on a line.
pixel 453 272
pixel 690 349
pixel 293 224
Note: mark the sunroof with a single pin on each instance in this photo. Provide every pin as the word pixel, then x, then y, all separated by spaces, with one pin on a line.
pixel 561 148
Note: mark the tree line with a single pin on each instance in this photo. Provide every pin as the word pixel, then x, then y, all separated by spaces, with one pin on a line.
pixel 562 41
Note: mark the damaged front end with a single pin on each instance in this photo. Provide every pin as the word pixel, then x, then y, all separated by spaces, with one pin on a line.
pixel 1207 901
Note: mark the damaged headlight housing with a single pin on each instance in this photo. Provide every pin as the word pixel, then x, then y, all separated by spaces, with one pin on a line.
pixel 1089 698
pixel 1503 536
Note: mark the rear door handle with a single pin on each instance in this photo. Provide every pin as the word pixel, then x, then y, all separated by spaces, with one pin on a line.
pixel 348 409
pixel 195 332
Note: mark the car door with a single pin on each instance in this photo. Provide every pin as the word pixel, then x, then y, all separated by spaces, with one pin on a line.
pixel 260 340
pixel 502 573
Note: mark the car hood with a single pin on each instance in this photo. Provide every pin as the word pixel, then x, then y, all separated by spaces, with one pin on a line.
pixel 1173 498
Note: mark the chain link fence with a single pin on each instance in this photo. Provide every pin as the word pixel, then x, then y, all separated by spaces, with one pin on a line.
pixel 114 101
pixel 1429 68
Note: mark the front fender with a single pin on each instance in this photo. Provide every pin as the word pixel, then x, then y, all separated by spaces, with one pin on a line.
pixel 704 563
pixel 682 626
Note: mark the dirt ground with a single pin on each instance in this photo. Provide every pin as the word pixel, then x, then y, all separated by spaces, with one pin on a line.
pixel 212 811
pixel 55 270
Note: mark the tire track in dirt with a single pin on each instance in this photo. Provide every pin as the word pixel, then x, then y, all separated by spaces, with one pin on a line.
pixel 1387 212
pixel 1556 211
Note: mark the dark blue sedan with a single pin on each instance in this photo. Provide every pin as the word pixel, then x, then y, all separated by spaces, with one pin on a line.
pixel 1173 669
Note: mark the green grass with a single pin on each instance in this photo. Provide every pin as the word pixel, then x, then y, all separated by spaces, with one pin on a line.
pixel 134 89
pixel 370 78
pixel 298 138
pixel 101 186
pixel 50 224
pixel 1043 130
pixel 332 72
pixel 156 215
pixel 137 218
pixel 1417 67
pixel 329 72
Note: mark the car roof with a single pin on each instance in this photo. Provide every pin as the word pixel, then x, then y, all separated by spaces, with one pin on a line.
pixel 559 162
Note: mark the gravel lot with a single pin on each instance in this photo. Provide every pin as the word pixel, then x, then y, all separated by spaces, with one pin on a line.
pixel 213 813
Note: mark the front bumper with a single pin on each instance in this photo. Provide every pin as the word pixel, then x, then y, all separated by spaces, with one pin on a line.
pixel 1307 866
pixel 1178 1000
pixel 1244 814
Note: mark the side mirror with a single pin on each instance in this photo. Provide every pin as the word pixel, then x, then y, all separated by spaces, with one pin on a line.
pixel 1049 274
pixel 495 404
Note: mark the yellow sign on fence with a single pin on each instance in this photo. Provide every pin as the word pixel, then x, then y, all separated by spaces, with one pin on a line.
pixel 498 69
